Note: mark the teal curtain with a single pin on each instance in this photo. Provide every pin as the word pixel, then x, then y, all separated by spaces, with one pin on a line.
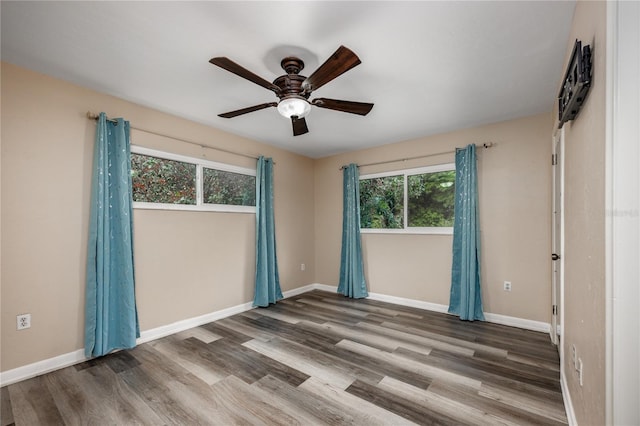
pixel 267 288
pixel 352 281
pixel 465 299
pixel 111 317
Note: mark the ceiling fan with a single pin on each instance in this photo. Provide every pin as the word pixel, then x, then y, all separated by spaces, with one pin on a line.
pixel 293 90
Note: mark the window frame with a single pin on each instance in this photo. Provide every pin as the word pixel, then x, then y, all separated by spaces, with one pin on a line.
pixel 432 230
pixel 200 164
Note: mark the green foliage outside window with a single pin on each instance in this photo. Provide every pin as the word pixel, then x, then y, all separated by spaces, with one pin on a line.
pixel 430 201
pixel 221 187
pixel 157 180
pixel 382 202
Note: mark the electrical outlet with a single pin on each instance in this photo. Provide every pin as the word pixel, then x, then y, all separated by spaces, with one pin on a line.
pixel 23 321
pixel 302 267
pixel 507 286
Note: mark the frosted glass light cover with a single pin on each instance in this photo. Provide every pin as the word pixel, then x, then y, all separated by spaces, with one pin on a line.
pixel 294 106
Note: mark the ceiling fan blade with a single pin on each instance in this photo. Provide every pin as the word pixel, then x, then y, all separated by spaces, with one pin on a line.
pixel 340 62
pixel 299 126
pixel 238 112
pixel 238 70
pixel 359 108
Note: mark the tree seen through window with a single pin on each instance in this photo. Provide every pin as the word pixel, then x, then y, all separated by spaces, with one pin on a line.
pixel 429 203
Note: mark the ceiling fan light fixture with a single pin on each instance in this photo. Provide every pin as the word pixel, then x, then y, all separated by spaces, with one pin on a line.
pixel 293 90
pixel 294 106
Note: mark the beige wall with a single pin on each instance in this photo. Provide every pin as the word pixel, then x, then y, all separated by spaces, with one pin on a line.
pixel 584 207
pixel 193 263
pixel 515 209
pixel 187 263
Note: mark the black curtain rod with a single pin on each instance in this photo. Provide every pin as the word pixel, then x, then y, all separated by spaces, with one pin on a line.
pixel 93 116
pixel 484 145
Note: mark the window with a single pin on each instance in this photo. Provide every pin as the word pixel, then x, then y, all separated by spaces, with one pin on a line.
pixel 222 187
pixel 431 199
pixel 382 202
pixel 158 180
pixel 162 180
pixel 410 201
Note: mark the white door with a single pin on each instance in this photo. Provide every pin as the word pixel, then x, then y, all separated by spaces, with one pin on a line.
pixel 557 239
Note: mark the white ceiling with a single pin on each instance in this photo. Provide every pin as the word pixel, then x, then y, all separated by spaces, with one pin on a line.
pixel 429 67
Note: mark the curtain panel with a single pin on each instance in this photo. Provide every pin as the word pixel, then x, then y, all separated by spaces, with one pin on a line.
pixel 465 298
pixel 352 280
pixel 267 284
pixel 111 317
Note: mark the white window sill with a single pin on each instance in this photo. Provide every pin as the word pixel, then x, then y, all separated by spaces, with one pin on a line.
pixel 410 231
pixel 194 208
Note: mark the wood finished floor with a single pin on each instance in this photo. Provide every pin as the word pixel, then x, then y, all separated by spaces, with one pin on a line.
pixel 317 358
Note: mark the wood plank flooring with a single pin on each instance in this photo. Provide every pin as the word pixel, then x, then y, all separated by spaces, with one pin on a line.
pixel 317 358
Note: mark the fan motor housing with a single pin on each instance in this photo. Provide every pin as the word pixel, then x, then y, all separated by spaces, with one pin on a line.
pixel 291 84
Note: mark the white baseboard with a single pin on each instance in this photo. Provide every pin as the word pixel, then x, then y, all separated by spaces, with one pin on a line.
pixel 296 291
pixel 493 318
pixel 526 324
pixel 324 287
pixel 41 367
pixel 176 327
pixel 427 306
pixel 566 396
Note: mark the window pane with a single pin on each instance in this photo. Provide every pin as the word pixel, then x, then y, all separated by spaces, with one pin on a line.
pixel 222 187
pixel 431 199
pixel 157 180
pixel 381 202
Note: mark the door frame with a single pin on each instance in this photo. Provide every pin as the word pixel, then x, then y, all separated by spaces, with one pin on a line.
pixel 622 221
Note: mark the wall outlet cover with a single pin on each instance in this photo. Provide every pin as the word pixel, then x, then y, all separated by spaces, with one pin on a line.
pixel 23 321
